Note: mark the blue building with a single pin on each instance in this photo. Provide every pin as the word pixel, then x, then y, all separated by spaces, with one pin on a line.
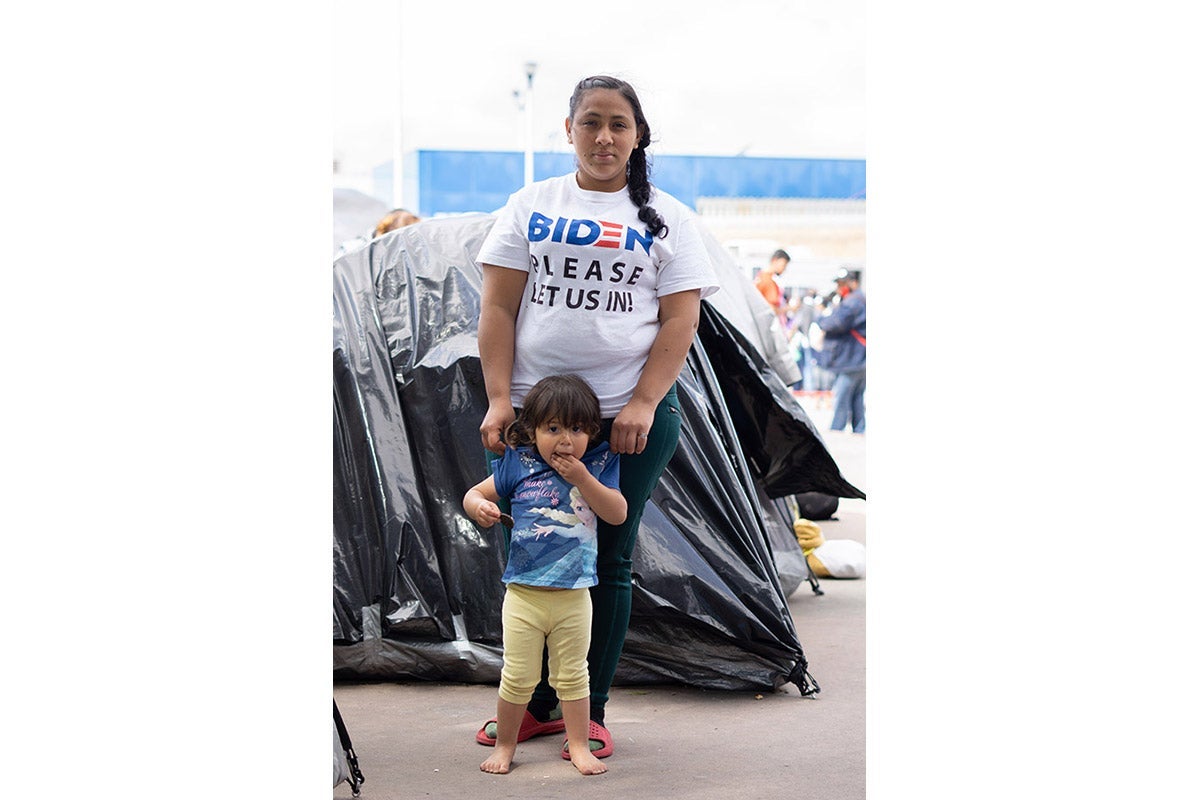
pixel 456 181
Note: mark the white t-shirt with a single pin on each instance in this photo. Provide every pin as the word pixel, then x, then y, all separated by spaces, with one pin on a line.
pixel 595 275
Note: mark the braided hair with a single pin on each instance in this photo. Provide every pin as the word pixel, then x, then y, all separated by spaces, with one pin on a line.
pixel 637 171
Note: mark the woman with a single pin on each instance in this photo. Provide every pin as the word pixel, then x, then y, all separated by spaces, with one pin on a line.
pixel 599 274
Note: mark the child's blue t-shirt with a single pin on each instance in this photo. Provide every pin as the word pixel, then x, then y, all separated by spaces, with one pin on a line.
pixel 554 533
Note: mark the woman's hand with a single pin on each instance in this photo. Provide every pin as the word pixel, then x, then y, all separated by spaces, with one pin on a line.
pixel 499 304
pixel 498 417
pixel 631 428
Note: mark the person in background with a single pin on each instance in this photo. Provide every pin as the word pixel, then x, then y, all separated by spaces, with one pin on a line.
pixel 769 288
pixel 806 310
pixel 817 380
pixel 597 273
pixel 800 314
pixel 396 218
pixel 844 352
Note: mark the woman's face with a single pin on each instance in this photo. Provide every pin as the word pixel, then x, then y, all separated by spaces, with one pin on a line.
pixel 604 134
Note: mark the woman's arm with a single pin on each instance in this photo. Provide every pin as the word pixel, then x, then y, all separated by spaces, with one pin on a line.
pixel 679 317
pixel 843 317
pixel 499 304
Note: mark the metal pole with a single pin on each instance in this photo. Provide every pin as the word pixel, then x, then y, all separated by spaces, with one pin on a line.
pixel 398 115
pixel 530 71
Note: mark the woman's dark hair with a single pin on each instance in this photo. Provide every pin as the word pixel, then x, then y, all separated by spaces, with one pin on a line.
pixel 567 398
pixel 637 171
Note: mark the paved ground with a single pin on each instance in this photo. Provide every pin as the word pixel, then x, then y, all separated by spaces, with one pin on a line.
pixel 417 739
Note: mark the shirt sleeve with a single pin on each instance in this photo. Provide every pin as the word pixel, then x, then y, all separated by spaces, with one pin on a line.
pixel 606 466
pixel 689 266
pixel 505 473
pixel 507 244
pixel 843 317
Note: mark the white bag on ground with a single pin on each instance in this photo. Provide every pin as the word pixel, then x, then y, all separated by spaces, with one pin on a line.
pixel 839 558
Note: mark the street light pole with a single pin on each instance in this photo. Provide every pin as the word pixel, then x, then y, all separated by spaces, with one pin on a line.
pixel 530 71
pixel 398 116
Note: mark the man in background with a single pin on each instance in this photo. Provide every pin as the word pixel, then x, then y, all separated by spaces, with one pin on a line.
pixel 769 288
pixel 844 352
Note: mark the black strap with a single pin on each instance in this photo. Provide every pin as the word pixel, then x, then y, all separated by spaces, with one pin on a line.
pixel 356 776
pixel 805 682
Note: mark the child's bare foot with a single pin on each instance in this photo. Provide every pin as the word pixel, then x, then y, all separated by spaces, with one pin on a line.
pixel 499 762
pixel 584 761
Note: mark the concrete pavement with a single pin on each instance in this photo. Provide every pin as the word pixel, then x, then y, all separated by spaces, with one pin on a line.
pixel 417 739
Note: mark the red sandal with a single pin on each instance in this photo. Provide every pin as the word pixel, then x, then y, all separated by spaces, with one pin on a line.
pixel 596 733
pixel 530 727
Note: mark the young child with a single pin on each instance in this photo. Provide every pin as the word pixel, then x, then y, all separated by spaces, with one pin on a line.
pixel 558 481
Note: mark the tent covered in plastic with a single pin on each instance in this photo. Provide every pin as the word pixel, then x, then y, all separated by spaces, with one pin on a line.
pixel 355 216
pixel 417 588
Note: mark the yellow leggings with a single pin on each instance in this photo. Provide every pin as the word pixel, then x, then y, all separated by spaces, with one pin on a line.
pixel 556 620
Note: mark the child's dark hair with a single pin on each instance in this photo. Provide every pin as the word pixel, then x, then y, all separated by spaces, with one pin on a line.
pixel 567 398
pixel 637 172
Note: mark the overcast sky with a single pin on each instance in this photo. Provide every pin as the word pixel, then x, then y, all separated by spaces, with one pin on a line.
pixel 758 77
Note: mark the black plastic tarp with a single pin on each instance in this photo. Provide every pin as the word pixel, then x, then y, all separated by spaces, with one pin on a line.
pixel 417 586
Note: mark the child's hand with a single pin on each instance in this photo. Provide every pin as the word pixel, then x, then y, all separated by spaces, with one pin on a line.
pixel 570 467
pixel 487 514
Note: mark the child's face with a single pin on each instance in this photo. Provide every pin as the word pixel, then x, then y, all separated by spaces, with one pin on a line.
pixel 554 437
